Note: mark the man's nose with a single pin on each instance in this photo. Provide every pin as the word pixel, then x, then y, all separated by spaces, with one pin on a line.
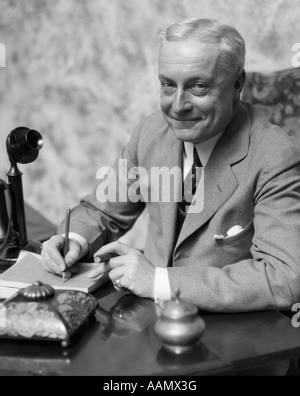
pixel 181 102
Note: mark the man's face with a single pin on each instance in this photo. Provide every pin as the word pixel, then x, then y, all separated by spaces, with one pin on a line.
pixel 197 97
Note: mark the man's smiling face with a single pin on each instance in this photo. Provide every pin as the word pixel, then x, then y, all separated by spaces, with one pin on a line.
pixel 197 96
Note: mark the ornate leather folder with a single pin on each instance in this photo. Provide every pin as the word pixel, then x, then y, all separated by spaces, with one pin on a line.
pixel 41 313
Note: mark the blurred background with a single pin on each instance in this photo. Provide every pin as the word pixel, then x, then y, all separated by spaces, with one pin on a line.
pixel 84 74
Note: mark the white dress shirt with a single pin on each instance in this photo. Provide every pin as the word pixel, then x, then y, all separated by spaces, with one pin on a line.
pixel 162 289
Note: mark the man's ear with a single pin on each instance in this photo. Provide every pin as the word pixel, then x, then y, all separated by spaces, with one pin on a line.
pixel 239 85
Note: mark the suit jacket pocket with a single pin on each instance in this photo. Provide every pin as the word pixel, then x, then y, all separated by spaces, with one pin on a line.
pixel 245 235
pixel 235 248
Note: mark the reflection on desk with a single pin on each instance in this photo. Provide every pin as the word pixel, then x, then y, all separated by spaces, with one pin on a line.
pixel 129 314
pixel 120 341
pixel 32 359
pixel 183 362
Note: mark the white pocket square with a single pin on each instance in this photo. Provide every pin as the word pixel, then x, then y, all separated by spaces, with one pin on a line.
pixel 233 231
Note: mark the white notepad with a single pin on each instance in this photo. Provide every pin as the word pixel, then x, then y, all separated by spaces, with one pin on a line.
pixel 29 269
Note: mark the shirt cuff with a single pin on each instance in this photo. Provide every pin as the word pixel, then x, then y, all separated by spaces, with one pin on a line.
pixel 82 242
pixel 162 288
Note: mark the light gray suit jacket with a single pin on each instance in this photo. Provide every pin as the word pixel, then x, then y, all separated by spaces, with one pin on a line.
pixel 252 179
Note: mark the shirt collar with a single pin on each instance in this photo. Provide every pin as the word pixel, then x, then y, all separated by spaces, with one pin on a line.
pixel 204 149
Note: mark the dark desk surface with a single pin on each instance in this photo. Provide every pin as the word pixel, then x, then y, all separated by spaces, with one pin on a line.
pixel 125 345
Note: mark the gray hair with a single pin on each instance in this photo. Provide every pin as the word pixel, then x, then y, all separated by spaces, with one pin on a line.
pixel 226 37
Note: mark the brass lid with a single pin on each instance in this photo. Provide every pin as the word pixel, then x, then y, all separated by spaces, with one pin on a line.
pixel 177 309
pixel 37 291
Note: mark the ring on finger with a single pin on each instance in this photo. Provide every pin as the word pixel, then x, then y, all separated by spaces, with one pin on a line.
pixel 118 283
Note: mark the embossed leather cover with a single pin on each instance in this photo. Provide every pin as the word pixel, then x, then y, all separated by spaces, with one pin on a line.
pixel 55 318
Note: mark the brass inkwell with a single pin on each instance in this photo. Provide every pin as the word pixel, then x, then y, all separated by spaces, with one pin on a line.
pixel 179 326
pixel 39 312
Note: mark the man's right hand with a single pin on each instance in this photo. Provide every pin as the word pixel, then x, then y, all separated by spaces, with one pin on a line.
pixel 52 259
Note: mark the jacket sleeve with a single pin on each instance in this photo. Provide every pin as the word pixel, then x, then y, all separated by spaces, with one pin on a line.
pixel 100 218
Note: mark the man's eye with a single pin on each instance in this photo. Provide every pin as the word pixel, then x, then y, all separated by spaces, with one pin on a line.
pixel 165 84
pixel 199 88
pixel 167 87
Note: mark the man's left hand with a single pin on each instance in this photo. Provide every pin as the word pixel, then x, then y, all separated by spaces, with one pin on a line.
pixel 128 266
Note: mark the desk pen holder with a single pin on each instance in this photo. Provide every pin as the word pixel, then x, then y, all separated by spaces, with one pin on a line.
pixel 40 313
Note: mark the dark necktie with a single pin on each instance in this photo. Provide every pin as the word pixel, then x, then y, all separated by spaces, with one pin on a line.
pixel 189 186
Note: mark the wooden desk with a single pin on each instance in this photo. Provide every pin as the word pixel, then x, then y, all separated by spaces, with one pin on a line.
pixel 121 342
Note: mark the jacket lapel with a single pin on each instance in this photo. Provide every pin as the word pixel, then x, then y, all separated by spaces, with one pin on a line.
pixel 219 180
pixel 171 157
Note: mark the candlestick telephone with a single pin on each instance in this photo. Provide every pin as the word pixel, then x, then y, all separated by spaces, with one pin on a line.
pixel 23 146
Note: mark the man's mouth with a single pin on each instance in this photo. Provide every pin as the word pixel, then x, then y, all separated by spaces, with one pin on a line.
pixel 184 123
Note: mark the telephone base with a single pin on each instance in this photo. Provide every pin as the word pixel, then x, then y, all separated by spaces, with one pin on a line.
pixel 11 252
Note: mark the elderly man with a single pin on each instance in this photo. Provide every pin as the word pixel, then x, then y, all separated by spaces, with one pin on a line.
pixel 239 250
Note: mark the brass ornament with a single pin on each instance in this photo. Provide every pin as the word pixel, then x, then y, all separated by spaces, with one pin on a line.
pixel 37 291
pixel 179 326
